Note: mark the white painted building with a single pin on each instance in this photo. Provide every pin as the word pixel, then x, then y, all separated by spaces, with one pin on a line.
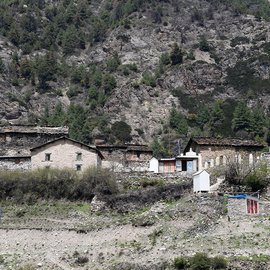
pixel 65 153
pixel 201 181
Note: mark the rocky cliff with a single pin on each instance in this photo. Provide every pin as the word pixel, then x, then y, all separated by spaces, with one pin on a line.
pixel 225 55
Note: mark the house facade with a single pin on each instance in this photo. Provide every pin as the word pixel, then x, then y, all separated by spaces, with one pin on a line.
pixel 184 163
pixel 127 158
pixel 65 153
pixel 216 151
pixel 16 141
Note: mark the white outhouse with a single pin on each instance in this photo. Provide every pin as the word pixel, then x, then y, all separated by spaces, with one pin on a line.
pixel 153 165
pixel 201 181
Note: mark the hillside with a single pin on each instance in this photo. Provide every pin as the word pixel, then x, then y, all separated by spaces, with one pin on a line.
pixel 149 69
pixel 71 235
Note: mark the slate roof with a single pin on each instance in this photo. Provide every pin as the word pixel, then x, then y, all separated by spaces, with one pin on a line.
pixel 125 147
pixel 223 142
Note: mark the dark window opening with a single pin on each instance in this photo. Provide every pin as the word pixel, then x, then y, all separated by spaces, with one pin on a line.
pixel 184 165
pixel 47 157
pixel 79 156
pixel 78 167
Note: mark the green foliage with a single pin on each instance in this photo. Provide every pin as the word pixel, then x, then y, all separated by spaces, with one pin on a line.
pixel 204 45
pixel 200 261
pixel 158 149
pixel 180 263
pixel 257 179
pixel 45 70
pixel 165 58
pixel 121 131
pixel 239 41
pixel 216 119
pixel 149 79
pixel 241 118
pixel 28 187
pixel 113 63
pixel 178 122
pixel 176 55
pixel 219 262
pixel 109 83
pixel 2 66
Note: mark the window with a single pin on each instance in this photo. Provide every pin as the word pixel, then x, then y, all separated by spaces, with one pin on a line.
pixel 78 167
pixel 47 156
pixel 138 155
pixel 79 156
pixel 221 160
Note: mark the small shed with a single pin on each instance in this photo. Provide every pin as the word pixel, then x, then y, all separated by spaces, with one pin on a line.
pixel 201 181
pixel 241 205
pixel 153 165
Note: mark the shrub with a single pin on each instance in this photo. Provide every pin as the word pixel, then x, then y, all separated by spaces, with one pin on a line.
pixel 180 263
pixel 55 184
pixel 149 79
pixel 176 55
pixel 200 261
pixel 256 180
pixel 219 262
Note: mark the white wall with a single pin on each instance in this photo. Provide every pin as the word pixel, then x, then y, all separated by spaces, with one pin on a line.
pixel 201 181
pixel 153 165
pixel 64 155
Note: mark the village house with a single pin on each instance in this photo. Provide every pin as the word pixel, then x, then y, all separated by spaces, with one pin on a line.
pixel 183 163
pixel 127 157
pixel 16 141
pixel 65 153
pixel 216 151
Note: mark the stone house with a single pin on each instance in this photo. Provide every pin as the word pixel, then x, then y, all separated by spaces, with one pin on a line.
pixel 216 151
pixel 16 141
pixel 126 158
pixel 65 153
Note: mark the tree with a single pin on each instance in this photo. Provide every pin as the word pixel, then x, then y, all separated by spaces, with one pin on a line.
pixel 241 118
pixel 121 131
pixel 176 55
pixel 216 119
pixel 157 148
pixel 258 121
pixel 46 69
pixel 178 122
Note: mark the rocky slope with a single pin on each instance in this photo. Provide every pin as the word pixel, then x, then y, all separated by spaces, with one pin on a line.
pixel 226 56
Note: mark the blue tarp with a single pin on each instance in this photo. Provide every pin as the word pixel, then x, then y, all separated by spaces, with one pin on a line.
pixel 240 196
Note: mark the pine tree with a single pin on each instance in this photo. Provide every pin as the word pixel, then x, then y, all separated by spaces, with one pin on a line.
pixel 241 118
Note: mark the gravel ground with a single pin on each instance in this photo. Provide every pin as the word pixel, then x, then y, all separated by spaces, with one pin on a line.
pixel 179 228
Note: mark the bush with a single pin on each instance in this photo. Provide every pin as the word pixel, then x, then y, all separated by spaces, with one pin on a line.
pixel 219 262
pixel 256 180
pixel 180 263
pixel 200 261
pixel 149 79
pixel 55 184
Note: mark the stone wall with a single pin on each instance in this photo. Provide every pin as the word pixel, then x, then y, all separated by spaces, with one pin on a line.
pixel 237 208
pixel 18 140
pixel 211 156
pixel 15 163
pixel 64 154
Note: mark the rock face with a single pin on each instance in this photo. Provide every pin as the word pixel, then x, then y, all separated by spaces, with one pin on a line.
pixel 219 47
